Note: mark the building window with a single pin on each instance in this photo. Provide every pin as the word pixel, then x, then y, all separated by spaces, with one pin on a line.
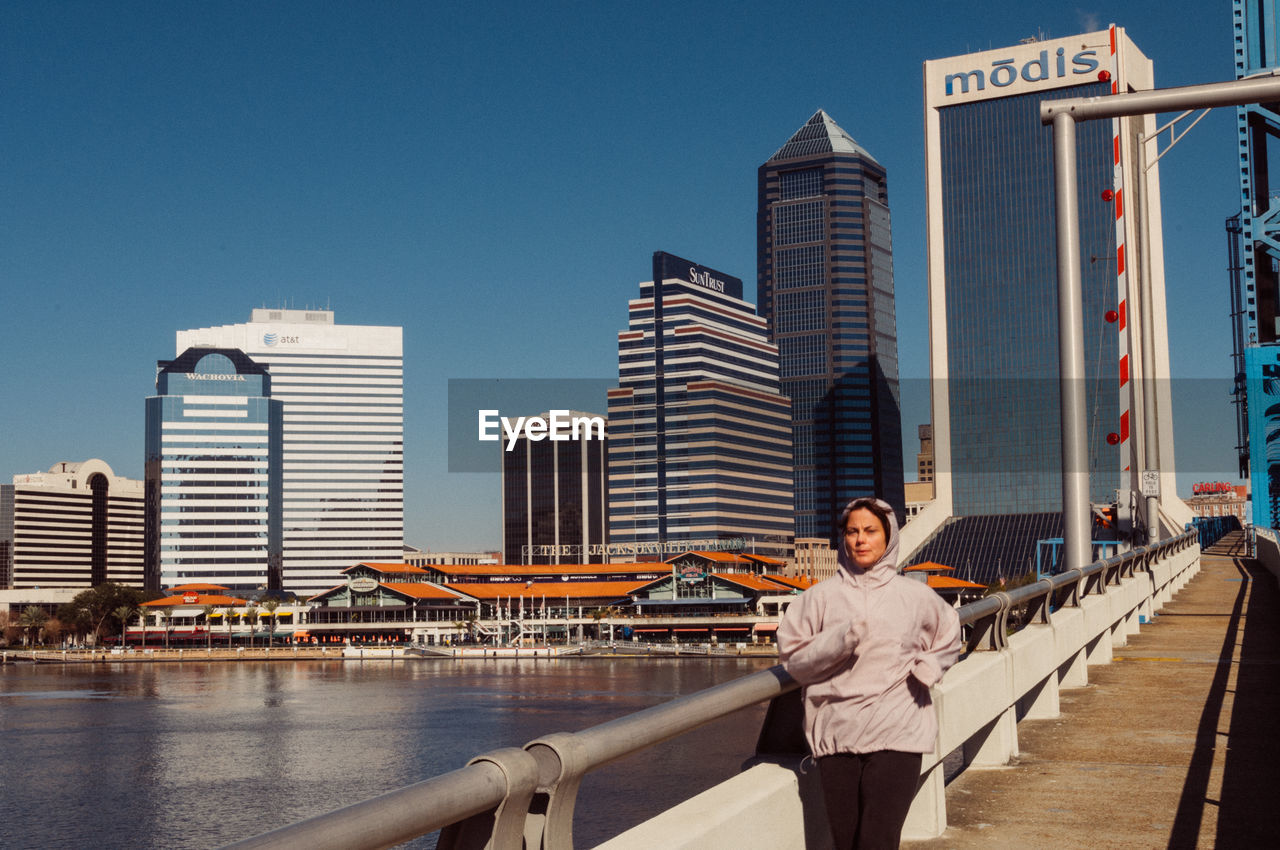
pixel 796 267
pixel 802 311
pixel 800 184
pixel 796 223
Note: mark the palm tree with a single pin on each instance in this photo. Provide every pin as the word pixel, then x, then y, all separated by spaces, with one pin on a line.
pixel 228 614
pixel 208 627
pixel 162 620
pixel 30 621
pixel 250 617
pixel 123 613
pixel 270 606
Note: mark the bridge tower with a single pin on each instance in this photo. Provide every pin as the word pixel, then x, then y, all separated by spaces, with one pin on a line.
pixel 1253 238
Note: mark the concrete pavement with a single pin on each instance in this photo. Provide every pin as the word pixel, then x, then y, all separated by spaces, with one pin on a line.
pixel 1172 745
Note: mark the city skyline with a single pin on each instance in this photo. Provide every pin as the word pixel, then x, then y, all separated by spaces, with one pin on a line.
pixel 168 169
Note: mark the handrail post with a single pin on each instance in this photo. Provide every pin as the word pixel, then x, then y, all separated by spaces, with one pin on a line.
pixel 562 763
pixel 500 828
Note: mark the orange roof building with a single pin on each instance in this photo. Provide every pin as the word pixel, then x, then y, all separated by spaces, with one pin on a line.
pixel 928 567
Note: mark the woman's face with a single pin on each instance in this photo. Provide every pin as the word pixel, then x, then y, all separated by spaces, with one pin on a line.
pixel 864 538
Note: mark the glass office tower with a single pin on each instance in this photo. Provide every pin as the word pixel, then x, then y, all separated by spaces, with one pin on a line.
pixel 825 285
pixel 213 473
pixel 343 393
pixel 554 499
pixel 993 294
pixel 699 435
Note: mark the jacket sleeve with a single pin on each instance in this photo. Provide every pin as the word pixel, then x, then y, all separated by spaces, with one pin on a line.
pixel 942 644
pixel 809 653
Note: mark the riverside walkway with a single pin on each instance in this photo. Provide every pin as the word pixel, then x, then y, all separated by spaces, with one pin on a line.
pixel 1172 745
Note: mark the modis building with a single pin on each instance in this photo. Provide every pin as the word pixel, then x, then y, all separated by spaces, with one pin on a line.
pixel 993 292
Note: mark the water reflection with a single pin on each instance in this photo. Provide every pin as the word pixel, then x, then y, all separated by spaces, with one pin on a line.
pixel 191 754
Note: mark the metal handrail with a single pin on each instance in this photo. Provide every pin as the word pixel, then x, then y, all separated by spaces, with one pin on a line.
pixel 400 815
pixel 525 797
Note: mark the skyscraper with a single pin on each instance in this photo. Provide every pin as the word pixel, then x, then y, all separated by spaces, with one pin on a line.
pixel 77 525
pixel 555 497
pixel 993 293
pixel 825 284
pixel 213 473
pixel 699 435
pixel 343 443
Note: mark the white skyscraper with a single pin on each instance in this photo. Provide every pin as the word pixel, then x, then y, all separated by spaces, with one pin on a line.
pixel 343 393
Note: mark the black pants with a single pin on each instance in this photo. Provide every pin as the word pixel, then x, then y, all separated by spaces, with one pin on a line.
pixel 867 797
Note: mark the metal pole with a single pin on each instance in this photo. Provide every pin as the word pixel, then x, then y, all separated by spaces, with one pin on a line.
pixel 1150 424
pixel 1075 465
pixel 1063 114
pixel 1202 96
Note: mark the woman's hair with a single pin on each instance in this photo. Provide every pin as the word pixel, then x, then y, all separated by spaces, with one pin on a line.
pixel 869 504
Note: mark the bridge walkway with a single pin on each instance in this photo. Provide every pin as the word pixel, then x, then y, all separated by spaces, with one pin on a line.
pixel 1172 745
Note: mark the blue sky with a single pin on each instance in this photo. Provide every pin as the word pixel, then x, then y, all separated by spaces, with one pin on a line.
pixel 492 176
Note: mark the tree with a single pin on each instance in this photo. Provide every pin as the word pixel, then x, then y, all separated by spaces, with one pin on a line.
pixel 251 617
pixel 92 611
pixel 162 620
pixel 228 614
pixel 123 614
pixel 208 626
pixel 31 620
pixel 270 606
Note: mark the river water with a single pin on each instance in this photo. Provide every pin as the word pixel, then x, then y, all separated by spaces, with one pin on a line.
pixel 201 754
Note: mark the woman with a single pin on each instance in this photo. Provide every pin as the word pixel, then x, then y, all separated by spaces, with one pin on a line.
pixel 867 644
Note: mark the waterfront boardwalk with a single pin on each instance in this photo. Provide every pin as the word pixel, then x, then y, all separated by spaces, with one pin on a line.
pixel 1172 745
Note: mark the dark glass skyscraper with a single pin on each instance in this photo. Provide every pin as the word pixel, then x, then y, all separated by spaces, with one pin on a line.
pixel 554 498
pixel 825 285
pixel 993 300
pixel 993 271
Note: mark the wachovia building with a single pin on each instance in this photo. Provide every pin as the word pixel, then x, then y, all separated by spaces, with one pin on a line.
pixel 699 433
pixel 993 286
pixel 213 473
pixel 342 458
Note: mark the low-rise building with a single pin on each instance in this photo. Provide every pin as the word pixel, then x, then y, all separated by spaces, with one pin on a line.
pixel 76 526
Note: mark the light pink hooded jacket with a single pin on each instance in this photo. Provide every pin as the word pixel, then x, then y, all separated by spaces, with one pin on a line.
pixel 867 645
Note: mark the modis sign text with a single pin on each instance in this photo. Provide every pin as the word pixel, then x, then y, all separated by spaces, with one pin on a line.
pixel 1004 72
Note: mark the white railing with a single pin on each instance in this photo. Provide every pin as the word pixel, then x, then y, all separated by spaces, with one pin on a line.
pixel 1022 647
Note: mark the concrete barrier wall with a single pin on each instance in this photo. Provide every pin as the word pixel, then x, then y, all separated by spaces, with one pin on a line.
pixel 979 703
pixel 1268 551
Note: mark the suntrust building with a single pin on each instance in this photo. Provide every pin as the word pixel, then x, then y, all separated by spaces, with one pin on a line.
pixel 993 296
pixel 699 434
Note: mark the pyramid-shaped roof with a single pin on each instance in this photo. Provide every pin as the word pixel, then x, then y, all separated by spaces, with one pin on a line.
pixel 820 134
